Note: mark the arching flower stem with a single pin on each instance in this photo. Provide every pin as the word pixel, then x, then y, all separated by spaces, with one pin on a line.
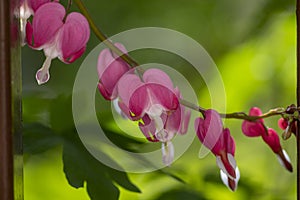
pixel 100 35
pixel 103 38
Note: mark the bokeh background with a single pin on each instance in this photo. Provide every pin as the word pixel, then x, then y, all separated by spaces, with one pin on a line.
pixel 253 44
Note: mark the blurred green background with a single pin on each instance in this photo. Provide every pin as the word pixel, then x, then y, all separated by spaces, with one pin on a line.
pixel 253 44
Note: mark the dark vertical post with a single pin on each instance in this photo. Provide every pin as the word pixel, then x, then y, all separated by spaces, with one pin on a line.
pixel 298 94
pixel 11 159
pixel 6 147
pixel 16 84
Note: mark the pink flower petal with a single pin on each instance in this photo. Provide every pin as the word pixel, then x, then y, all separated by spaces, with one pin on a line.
pixel 127 85
pixel 75 56
pixel 157 76
pixel 254 129
pixel 47 20
pixel 272 139
pixel 209 130
pixel 35 4
pixel 110 70
pixel 173 121
pixel 146 97
pixel 139 101
pixel 74 35
pixel 120 47
pixel 282 123
pixel 107 58
pixel 152 94
pixel 228 141
pixel 161 94
pixel 29 34
pixel 148 129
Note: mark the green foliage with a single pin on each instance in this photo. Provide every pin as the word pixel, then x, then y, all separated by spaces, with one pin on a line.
pixel 253 44
pixel 80 166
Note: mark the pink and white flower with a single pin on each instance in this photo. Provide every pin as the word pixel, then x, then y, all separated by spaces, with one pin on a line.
pixel 270 137
pixel 272 140
pixel 153 100
pixel 172 123
pixel 256 128
pixel 211 133
pixel 58 35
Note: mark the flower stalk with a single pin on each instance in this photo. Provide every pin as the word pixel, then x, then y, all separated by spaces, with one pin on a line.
pixel 103 38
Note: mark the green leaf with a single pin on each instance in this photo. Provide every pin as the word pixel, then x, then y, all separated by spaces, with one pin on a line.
pixel 74 175
pixel 122 179
pixel 103 188
pixel 177 178
pixel 61 118
pixel 179 194
pixel 80 166
pixel 38 138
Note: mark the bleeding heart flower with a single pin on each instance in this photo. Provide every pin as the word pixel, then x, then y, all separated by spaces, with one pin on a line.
pixel 155 102
pixel 172 123
pixel 272 139
pixel 153 96
pixel 58 35
pixel 256 128
pixel 211 133
pixel 110 69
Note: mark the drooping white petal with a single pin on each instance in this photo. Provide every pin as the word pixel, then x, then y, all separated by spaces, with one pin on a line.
pixel 117 108
pixel 167 149
pixel 159 124
pixel 221 164
pixel 164 136
pixel 25 13
pixel 231 160
pixel 155 111
pixel 43 75
pixel 225 178
pixel 286 156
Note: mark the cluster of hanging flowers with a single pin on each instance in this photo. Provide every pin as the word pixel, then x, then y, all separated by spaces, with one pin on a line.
pixel 151 99
pixel 58 34
pixel 147 97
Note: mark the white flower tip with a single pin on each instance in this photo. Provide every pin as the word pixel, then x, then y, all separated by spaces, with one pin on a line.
pixel 287 133
pixel 285 161
pixel 117 108
pixel 232 184
pixel 222 166
pixel 42 76
pixel 167 149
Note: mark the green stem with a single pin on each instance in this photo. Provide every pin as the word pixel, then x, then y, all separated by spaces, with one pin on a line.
pixel 101 36
pixel 235 115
